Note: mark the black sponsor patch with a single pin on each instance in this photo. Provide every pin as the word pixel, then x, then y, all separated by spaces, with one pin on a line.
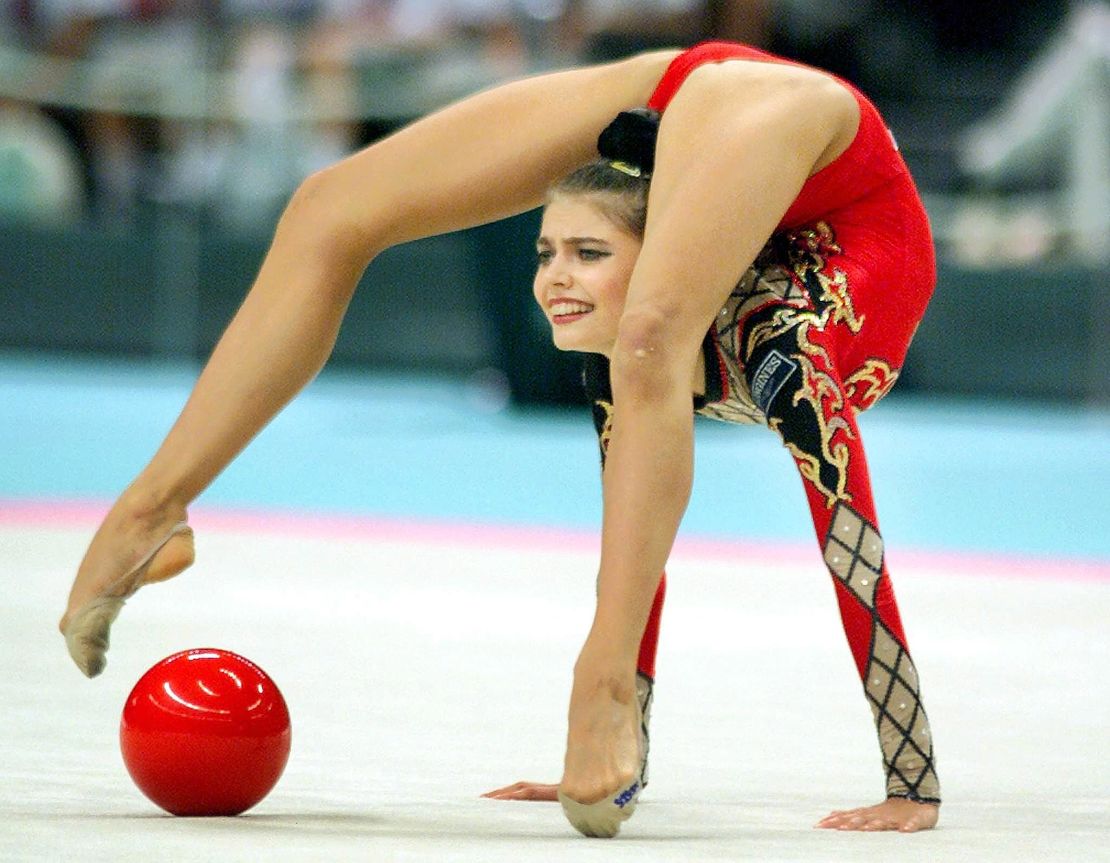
pixel 769 378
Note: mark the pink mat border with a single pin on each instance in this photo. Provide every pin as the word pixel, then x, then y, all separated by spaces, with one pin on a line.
pixel 358 528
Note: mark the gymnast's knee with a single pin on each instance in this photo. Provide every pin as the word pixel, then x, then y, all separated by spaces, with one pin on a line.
pixel 322 220
pixel 649 353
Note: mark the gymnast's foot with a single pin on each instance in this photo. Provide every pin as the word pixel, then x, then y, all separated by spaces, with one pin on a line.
pixel 601 776
pixel 894 813
pixel 541 791
pixel 135 545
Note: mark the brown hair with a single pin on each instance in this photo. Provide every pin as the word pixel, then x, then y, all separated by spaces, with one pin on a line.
pixel 621 196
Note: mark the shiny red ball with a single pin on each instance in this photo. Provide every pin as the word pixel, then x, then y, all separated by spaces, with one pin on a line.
pixel 205 732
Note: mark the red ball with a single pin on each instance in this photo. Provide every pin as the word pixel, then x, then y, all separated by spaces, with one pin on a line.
pixel 205 732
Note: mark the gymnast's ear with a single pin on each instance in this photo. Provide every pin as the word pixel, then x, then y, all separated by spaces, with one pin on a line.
pixel 630 138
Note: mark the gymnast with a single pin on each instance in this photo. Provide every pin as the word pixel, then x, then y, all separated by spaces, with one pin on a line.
pixel 772 271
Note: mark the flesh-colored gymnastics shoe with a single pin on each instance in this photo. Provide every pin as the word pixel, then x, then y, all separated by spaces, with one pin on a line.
pixel 603 818
pixel 645 694
pixel 87 632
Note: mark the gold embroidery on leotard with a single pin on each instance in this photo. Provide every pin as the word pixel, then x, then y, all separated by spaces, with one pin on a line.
pixel 606 433
pixel 877 376
pixel 788 295
pixel 808 250
pixel 821 392
pixel 783 321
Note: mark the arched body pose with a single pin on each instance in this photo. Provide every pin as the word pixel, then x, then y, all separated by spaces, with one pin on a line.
pixel 780 221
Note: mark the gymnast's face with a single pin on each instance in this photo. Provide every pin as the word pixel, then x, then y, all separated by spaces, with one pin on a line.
pixel 585 261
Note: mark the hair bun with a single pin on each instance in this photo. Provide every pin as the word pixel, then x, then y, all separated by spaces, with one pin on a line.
pixel 631 138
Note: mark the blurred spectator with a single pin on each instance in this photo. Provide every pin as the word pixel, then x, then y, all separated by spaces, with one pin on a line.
pixel 1051 135
pixel 40 172
pixel 229 103
pixel 613 28
pixel 131 47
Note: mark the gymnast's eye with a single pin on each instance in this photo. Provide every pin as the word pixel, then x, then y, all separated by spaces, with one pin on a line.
pixel 544 256
pixel 588 254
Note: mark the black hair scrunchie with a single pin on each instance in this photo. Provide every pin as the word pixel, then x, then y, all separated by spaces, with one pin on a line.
pixel 631 138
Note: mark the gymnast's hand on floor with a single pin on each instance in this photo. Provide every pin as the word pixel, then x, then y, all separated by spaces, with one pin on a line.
pixel 894 813
pixel 525 791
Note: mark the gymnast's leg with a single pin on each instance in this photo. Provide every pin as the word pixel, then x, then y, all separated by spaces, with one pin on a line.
pixel 488 156
pixel 645 693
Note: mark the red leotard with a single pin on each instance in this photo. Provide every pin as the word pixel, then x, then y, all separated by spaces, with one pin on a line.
pixel 866 193
pixel 815 331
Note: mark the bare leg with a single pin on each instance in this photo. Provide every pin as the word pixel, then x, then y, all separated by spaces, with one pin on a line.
pixel 734 149
pixel 645 683
pixel 486 157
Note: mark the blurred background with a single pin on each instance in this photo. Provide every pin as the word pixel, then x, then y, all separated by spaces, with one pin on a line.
pixel 148 146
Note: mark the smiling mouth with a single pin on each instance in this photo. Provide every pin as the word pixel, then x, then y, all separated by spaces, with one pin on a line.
pixel 565 312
